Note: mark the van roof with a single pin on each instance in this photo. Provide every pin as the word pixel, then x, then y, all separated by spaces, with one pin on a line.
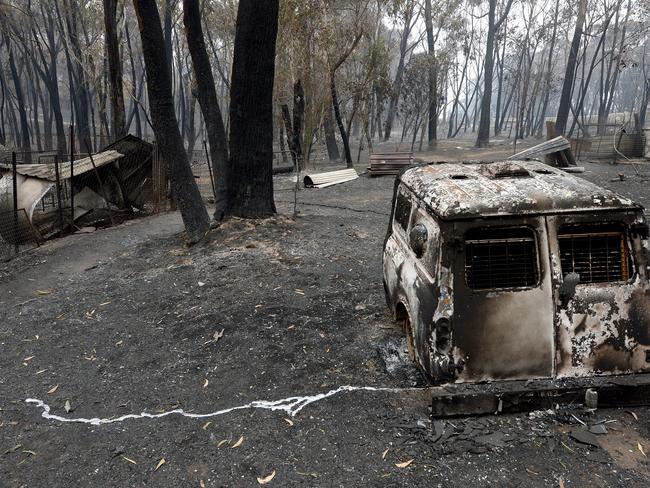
pixel 456 190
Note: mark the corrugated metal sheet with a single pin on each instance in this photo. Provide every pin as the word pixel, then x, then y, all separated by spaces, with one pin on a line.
pixel 323 180
pixel 81 166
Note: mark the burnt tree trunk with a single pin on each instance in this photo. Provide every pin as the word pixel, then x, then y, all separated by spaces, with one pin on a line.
pixel 207 96
pixel 333 153
pixel 569 76
pixel 251 109
pixel 483 137
pixel 433 78
pixel 114 70
pixel 25 143
pixel 339 122
pixel 165 126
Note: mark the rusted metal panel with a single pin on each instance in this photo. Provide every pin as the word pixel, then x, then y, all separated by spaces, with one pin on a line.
pixel 604 328
pixel 504 333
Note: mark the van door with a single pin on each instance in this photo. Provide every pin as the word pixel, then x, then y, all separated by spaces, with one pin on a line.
pixel 503 301
pixel 602 297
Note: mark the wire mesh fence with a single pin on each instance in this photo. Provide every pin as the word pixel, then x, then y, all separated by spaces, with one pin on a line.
pixel 16 232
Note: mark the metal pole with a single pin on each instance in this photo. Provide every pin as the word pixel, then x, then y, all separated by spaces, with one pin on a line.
pixel 101 185
pixel 15 198
pixel 207 157
pixel 58 190
pixel 71 174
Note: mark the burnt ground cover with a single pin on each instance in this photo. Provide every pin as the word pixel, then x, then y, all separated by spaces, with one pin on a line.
pixel 127 319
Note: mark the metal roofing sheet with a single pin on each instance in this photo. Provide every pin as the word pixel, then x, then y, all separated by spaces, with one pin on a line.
pixel 81 166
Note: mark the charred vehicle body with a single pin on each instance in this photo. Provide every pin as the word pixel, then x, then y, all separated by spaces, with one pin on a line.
pixel 516 270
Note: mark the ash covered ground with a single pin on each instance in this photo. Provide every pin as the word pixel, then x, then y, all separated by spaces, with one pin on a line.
pixel 128 319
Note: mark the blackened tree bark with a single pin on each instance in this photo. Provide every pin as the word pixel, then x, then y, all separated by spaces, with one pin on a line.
pixel 293 126
pixel 569 76
pixel 335 99
pixel 25 143
pixel 330 137
pixel 207 96
pixel 165 126
pixel 75 61
pixel 251 109
pixel 433 78
pixel 114 70
pixel 339 121
pixel 483 138
pixel 404 48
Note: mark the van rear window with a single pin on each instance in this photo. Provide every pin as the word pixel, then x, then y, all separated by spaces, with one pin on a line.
pixel 501 258
pixel 597 255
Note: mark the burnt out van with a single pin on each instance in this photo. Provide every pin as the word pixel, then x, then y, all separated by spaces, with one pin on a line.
pixel 517 270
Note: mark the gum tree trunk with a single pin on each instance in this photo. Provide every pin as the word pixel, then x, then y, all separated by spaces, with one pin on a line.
pixel 251 109
pixel 165 126
pixel 569 76
pixel 207 96
pixel 114 70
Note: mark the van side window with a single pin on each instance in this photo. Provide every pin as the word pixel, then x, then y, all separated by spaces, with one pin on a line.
pixel 403 211
pixel 501 258
pixel 598 254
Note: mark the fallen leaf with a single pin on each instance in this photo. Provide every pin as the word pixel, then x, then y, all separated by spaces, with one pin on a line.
pixel 638 444
pixel 404 464
pixel 29 358
pixel 289 421
pixel 53 389
pixel 67 406
pixel 30 452
pixel 238 443
pixel 313 475
pixel 636 417
pixel 129 460
pixel 205 384
pixel 13 449
pixel 383 456
pixel 266 479
pixel 202 484
pixel 119 343
pixel 217 335
pixel 223 442
pixel 561 482
pixel 44 292
pixel 201 284
pixel 207 424
pixel 160 463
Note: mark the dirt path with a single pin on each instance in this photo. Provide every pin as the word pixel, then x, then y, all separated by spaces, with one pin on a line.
pixel 125 323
